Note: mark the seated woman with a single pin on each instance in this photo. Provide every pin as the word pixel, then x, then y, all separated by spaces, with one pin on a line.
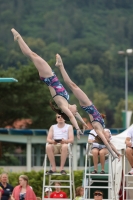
pixel 86 104
pixel 58 92
pixel 98 150
pixel 23 191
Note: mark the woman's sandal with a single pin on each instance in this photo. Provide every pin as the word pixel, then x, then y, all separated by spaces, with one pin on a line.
pixel 94 172
pixel 102 172
pixel 63 172
pixel 50 172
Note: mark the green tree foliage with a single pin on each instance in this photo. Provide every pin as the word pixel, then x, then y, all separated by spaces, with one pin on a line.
pixel 36 180
pixel 119 109
pixel 28 98
pixel 86 33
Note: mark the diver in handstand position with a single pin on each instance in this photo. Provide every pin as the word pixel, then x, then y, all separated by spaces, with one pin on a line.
pixel 57 90
pixel 85 103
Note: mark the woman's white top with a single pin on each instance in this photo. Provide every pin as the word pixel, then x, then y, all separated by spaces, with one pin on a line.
pixel 60 133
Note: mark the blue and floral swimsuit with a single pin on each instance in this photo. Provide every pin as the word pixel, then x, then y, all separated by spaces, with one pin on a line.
pixel 94 112
pixel 55 83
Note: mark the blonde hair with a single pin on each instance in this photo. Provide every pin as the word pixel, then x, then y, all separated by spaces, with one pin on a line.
pixel 4 173
pixel 78 190
pixel 25 178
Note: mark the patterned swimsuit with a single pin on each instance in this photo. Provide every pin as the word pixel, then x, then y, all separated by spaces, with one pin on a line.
pixel 55 83
pixel 94 112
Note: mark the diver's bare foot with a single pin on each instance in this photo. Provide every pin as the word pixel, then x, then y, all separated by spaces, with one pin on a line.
pixel 59 62
pixel 15 34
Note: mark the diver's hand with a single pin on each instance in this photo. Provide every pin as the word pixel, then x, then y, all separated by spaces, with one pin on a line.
pixel 79 132
pixel 84 128
pixel 119 157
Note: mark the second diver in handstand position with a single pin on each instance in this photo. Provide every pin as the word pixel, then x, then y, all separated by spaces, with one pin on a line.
pixel 85 103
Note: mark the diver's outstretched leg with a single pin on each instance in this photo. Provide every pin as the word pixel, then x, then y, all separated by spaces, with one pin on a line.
pixel 65 76
pixel 42 66
pixel 23 46
pixel 78 93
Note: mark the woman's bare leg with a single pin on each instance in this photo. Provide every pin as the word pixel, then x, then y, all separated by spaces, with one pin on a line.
pixel 78 93
pixel 41 65
pixel 95 153
pixel 102 153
